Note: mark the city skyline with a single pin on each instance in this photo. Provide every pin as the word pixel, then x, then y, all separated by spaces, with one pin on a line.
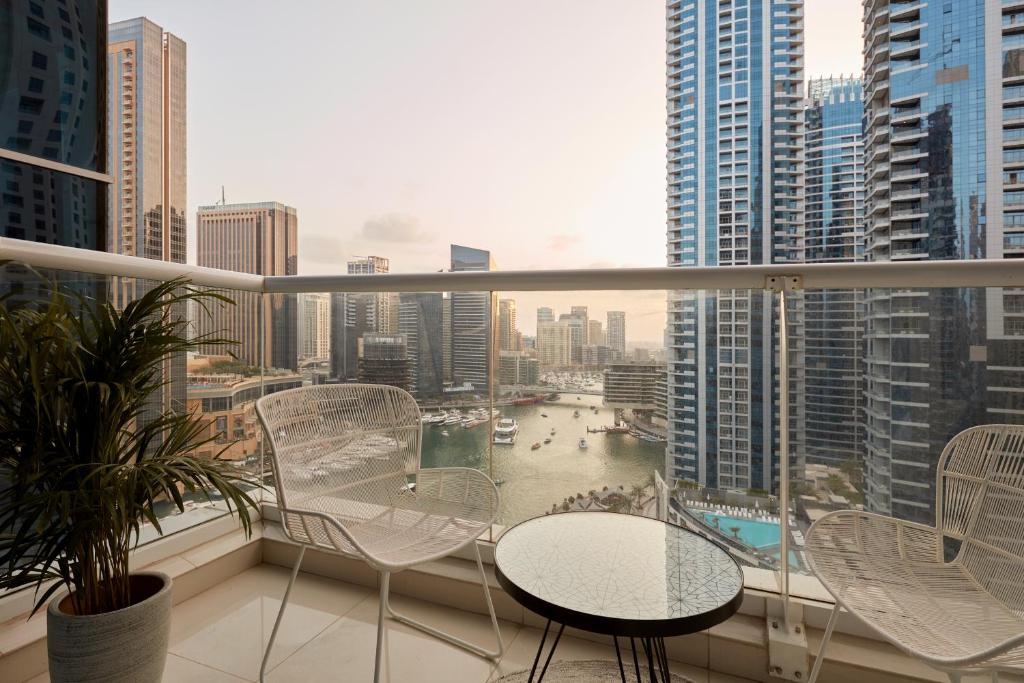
pixel 575 226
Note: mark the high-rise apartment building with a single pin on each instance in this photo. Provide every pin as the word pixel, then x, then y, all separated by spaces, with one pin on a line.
pixel 53 110
pixel 577 321
pixel 545 315
pixel 616 334
pixel 944 145
pixel 735 174
pixel 473 349
pixel 595 333
pixel 353 315
pixel 147 136
pixel 314 325
pixel 554 344
pixel 508 328
pixel 262 239
pixel 420 322
pixel 833 233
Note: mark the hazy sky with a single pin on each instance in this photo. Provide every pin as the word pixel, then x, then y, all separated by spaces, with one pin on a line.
pixel 535 129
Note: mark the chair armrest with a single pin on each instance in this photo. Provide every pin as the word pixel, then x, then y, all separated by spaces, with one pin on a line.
pixel 313 528
pixel 863 535
pixel 460 486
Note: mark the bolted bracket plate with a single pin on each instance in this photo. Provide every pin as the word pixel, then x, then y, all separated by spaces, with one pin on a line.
pixel 784 283
pixel 787 644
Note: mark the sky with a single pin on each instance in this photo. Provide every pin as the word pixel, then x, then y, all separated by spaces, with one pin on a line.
pixel 534 129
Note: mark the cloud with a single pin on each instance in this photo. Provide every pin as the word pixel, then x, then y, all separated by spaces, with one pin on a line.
pixel 394 227
pixel 562 241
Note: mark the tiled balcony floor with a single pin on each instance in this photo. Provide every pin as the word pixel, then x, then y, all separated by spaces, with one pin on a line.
pixel 329 632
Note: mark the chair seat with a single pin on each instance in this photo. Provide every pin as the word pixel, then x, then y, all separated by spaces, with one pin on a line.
pixel 417 526
pixel 891 574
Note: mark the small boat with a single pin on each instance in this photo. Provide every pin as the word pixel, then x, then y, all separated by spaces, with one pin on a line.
pixel 578 398
pixel 582 444
pixel 547 440
pixel 445 433
pixel 575 413
pixel 552 432
pixel 535 446
pixel 543 414
pixel 499 482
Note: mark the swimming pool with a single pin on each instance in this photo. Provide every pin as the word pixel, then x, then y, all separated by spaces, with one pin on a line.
pixel 754 533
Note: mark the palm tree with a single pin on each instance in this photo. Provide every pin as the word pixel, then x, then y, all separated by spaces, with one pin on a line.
pixel 735 531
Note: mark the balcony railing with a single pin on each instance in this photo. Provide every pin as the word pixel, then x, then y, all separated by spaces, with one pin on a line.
pixel 784 451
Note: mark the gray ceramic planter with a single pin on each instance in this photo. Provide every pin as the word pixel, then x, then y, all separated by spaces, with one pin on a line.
pixel 129 645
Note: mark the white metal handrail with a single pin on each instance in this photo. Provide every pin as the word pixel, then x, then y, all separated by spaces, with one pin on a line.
pixel 920 274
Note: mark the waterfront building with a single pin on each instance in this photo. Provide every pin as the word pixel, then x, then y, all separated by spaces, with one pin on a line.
pixel 735 185
pixel 420 323
pixel 314 325
pixel 383 359
pixel 472 322
pixel 554 344
pixel 259 238
pixel 518 369
pixel 508 328
pixel 545 315
pixel 638 388
pixel 53 111
pixel 616 334
pixel 446 338
pixel 833 233
pixel 225 403
pixel 944 145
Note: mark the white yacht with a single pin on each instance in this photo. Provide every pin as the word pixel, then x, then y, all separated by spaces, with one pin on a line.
pixel 506 431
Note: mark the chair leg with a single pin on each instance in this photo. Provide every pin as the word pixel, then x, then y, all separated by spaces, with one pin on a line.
pixel 280 612
pixel 824 643
pixel 447 637
pixel 954 677
pixel 385 583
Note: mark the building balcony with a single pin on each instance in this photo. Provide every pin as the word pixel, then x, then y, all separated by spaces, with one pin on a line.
pixel 228 587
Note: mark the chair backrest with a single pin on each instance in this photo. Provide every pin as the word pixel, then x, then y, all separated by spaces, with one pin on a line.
pixel 352 441
pixel 980 501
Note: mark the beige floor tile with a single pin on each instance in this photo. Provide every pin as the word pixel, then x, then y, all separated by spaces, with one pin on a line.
pixel 346 649
pixel 181 670
pixel 228 626
pixel 523 649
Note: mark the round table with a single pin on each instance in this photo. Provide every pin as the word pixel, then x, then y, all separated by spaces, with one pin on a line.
pixel 620 575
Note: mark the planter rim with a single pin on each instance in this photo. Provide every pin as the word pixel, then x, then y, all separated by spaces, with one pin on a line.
pixel 53 608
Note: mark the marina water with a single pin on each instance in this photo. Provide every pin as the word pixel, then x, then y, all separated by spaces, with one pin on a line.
pixel 533 480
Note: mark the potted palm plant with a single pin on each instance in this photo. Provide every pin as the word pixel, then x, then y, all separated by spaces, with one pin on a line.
pixel 86 462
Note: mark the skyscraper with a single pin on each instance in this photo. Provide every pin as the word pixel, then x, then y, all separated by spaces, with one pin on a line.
pixel 554 344
pixel 420 322
pixel 508 329
pixel 595 334
pixel 147 135
pixel 353 315
pixel 472 313
pixel 53 109
pixel 545 315
pixel 834 233
pixel 577 321
pixel 735 99
pixel 383 359
pixel 943 139
pixel 314 325
pixel 259 238
pixel 616 334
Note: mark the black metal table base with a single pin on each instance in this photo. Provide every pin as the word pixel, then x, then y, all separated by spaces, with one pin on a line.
pixel 654 668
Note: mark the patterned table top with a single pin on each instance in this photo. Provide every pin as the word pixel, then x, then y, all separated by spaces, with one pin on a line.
pixel 618 574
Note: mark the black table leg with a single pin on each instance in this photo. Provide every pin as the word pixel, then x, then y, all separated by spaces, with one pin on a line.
pixel 618 656
pixel 636 662
pixel 540 649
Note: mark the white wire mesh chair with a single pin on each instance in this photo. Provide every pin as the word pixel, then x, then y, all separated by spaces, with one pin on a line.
pixel 342 455
pixel 962 615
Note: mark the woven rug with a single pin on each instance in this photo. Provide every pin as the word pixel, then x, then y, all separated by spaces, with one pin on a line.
pixel 591 671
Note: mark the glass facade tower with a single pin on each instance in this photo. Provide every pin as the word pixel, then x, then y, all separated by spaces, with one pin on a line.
pixel 833 233
pixel 53 150
pixel 944 115
pixel 473 347
pixel 735 174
